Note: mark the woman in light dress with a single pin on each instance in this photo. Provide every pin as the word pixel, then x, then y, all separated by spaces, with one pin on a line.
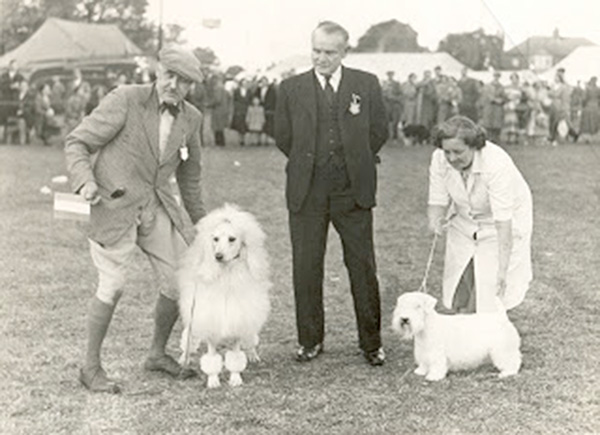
pixel 477 193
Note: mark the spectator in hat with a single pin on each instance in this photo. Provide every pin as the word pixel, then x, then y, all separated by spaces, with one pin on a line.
pixel 560 111
pixel 392 98
pixel 141 136
pixel 220 103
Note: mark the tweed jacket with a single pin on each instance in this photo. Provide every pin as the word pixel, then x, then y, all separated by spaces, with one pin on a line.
pixel 363 131
pixel 117 146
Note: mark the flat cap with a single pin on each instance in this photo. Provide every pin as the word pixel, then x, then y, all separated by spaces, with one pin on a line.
pixel 181 61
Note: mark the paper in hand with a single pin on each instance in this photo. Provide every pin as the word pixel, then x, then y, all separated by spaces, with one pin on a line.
pixel 71 207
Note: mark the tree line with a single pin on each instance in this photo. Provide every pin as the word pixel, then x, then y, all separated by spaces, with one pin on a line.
pixel 19 20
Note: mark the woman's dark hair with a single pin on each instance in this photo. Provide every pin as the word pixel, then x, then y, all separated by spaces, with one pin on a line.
pixel 459 127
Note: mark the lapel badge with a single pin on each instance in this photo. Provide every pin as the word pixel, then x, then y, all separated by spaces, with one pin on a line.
pixel 184 152
pixel 355 104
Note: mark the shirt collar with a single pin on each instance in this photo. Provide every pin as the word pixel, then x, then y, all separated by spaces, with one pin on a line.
pixel 477 165
pixel 335 79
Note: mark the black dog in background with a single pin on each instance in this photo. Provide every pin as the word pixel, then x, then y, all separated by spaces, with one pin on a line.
pixel 416 134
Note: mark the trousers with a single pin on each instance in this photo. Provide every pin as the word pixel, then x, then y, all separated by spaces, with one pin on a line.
pixel 330 200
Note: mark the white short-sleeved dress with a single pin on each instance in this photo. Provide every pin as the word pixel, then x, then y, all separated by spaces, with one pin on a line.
pixel 495 190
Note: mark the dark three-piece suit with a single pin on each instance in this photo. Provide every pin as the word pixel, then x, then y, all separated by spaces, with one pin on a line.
pixel 331 141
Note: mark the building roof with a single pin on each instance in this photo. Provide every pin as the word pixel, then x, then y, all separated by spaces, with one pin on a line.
pixel 62 41
pixel 580 65
pixel 557 46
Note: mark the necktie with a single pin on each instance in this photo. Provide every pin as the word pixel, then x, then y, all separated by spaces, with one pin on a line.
pixel 172 108
pixel 329 92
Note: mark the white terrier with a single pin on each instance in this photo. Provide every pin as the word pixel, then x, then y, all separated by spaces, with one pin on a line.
pixel 455 342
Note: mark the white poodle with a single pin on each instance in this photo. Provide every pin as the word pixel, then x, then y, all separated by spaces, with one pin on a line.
pixel 455 342
pixel 224 284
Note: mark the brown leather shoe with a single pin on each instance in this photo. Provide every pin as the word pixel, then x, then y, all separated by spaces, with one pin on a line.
pixel 95 379
pixel 168 365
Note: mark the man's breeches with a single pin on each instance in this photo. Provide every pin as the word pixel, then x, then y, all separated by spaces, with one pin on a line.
pixel 157 238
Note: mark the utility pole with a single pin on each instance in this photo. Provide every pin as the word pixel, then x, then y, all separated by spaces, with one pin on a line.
pixel 3 14
pixel 160 24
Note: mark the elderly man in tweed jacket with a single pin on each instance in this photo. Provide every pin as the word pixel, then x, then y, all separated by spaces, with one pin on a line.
pixel 121 159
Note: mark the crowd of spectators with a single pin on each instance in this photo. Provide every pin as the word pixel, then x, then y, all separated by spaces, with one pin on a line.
pixel 519 112
pixel 36 111
pixel 245 105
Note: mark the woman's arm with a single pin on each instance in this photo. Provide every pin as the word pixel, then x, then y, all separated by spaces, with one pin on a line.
pixel 439 197
pixel 435 215
pixel 504 229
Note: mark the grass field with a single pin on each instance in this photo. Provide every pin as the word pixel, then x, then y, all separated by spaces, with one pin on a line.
pixel 46 279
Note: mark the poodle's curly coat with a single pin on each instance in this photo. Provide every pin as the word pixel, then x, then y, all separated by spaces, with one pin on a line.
pixel 224 284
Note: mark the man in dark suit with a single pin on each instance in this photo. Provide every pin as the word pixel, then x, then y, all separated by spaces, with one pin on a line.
pixel 10 85
pixel 330 122
pixel 121 159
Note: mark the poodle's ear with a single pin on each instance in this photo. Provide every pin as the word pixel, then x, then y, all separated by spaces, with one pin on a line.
pixel 258 263
pixel 254 241
pixel 200 249
pixel 196 249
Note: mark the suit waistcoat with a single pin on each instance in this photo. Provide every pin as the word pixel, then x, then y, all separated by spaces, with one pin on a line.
pixel 329 141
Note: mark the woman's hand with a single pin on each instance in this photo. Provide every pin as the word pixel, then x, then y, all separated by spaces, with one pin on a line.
pixel 436 219
pixel 438 226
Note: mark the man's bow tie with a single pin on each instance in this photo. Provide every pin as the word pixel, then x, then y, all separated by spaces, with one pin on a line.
pixel 173 109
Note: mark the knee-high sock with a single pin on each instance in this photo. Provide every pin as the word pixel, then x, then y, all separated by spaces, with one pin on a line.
pixel 98 319
pixel 165 316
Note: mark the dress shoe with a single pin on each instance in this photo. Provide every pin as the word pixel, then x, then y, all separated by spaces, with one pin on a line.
pixel 95 379
pixel 166 364
pixel 375 357
pixel 305 354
